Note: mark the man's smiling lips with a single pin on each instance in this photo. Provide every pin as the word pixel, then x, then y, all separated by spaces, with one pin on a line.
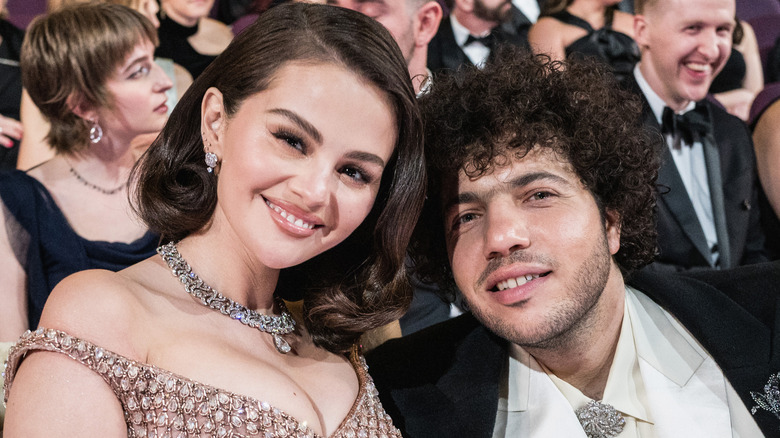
pixel 504 279
pixel 517 281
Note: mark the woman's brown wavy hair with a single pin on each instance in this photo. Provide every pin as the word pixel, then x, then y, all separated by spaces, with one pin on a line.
pixel 361 283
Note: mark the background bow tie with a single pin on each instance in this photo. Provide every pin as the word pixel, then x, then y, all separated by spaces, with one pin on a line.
pixel 692 126
pixel 486 40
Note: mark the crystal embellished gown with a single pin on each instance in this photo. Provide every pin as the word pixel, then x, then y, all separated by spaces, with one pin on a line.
pixel 158 403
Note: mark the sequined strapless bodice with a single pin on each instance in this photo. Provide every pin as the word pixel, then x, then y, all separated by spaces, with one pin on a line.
pixel 158 403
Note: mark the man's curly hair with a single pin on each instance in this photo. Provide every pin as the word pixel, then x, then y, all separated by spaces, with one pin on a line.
pixel 475 118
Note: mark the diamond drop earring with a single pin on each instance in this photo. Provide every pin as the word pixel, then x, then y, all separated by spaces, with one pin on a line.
pixel 95 132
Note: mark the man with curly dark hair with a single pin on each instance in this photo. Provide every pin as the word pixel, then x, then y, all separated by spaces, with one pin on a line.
pixel 540 205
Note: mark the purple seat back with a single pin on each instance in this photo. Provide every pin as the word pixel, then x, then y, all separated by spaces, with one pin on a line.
pixel 763 100
pixel 21 12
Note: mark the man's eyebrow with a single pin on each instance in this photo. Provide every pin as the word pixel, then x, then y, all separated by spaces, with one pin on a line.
pixel 300 121
pixel 517 182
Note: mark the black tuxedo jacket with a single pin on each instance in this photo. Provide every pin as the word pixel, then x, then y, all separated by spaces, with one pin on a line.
pixel 681 240
pixel 444 381
pixel 445 54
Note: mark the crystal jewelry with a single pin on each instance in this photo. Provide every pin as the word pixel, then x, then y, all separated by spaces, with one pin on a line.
pixel 211 161
pixel 600 420
pixel 94 186
pixel 274 325
pixel 95 132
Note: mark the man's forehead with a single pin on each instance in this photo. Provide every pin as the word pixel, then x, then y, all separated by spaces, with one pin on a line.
pixel 509 171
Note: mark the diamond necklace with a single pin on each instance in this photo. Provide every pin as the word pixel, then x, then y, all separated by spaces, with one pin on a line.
pixel 274 325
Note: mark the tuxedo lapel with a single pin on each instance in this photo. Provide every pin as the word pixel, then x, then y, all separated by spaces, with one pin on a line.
pixel 742 337
pixel 446 381
pixel 443 51
pixel 674 196
pixel 712 160
pixel 472 384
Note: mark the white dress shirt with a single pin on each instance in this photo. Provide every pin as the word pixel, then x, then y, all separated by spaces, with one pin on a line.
pixel 476 51
pixel 529 8
pixel 662 381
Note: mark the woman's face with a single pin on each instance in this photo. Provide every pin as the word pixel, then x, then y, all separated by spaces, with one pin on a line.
pixel 187 12
pixel 137 90
pixel 149 9
pixel 301 162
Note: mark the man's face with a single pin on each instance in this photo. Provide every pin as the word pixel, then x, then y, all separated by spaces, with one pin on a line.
pixel 529 248
pixel 395 15
pixel 684 43
pixel 497 11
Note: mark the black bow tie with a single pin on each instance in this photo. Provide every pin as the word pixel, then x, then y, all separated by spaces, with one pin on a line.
pixel 689 127
pixel 486 40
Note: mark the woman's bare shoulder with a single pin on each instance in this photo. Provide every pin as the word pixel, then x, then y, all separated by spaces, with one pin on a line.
pixel 103 307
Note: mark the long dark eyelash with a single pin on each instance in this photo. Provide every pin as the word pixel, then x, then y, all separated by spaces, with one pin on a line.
pixel 365 177
pixel 290 138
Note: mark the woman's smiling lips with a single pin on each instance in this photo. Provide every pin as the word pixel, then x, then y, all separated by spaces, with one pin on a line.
pixel 298 223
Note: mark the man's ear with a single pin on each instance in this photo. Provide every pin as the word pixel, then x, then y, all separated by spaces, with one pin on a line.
pixel 612 227
pixel 640 30
pixel 81 108
pixel 426 23
pixel 213 121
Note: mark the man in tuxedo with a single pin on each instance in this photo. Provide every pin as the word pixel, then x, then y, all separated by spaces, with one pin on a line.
pixel 413 23
pixel 540 203
pixel 708 210
pixel 473 29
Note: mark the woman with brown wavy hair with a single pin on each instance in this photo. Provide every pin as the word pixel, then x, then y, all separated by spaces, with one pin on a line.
pixel 298 150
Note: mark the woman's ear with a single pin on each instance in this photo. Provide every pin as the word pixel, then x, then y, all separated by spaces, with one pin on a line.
pixel 213 121
pixel 81 108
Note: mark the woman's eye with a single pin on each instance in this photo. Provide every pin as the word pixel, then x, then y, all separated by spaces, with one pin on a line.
pixel 140 72
pixel 293 141
pixel 357 174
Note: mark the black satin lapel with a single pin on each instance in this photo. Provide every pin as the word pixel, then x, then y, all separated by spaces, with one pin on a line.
pixel 452 55
pixel 712 160
pixel 673 195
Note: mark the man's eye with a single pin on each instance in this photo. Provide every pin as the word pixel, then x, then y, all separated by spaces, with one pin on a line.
pixel 541 195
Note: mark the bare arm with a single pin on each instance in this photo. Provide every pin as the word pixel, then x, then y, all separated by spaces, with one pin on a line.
pixel 33 149
pixel 183 79
pixel 766 139
pixel 55 396
pixel 545 36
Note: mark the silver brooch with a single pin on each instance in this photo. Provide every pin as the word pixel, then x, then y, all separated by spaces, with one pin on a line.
pixel 770 399
pixel 600 420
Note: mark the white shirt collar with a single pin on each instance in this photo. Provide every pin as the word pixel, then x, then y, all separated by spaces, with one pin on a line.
pixel 459 31
pixel 656 103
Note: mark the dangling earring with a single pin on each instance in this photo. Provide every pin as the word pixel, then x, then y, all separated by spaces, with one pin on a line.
pixel 211 161
pixel 211 157
pixel 95 132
